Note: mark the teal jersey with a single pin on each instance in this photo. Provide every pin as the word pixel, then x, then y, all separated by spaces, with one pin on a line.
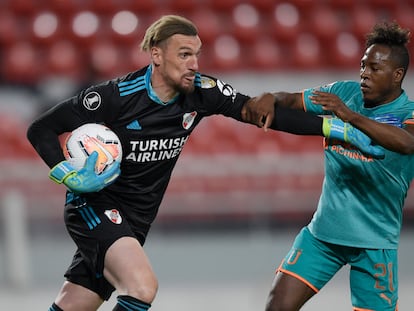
pixel 362 198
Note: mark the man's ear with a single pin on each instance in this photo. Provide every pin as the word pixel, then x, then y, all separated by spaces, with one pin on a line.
pixel 156 55
pixel 399 75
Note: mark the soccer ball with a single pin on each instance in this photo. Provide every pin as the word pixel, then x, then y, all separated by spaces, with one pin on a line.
pixel 81 142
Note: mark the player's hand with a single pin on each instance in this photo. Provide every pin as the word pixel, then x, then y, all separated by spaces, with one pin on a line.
pixel 85 179
pixel 331 102
pixel 259 110
pixel 337 129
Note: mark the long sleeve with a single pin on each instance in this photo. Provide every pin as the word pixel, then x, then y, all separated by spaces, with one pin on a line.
pixel 296 122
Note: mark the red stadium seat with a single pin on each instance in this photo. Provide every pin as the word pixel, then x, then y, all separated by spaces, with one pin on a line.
pixel 127 28
pixel 45 28
pixel 85 28
pixel 102 7
pixel 64 8
pixel 209 24
pixel 286 22
pixel 63 59
pixel 363 18
pixel 222 5
pixel 136 58
pixel 324 23
pixel 345 52
pixel 263 6
pixel 342 5
pixel 386 5
pixel 141 6
pixel 404 16
pixel 305 5
pixel 10 29
pixel 266 54
pixel 23 7
pixel 106 60
pixel 307 52
pixel 21 64
pixel 227 54
pixel 246 23
pixel 182 7
pixel 14 137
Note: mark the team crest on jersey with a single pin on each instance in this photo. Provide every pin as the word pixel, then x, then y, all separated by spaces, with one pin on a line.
pixel 226 89
pixel 92 101
pixel 114 216
pixel 188 119
pixel 207 83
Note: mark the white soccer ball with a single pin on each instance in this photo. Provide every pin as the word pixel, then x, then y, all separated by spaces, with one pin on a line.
pixel 81 142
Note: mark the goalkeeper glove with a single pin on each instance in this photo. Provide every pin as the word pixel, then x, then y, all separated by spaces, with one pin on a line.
pixel 337 129
pixel 388 119
pixel 85 179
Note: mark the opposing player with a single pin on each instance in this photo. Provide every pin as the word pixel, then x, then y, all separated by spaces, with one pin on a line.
pixel 153 111
pixel 359 215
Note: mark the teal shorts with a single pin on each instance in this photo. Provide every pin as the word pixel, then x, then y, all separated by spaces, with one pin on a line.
pixel 373 272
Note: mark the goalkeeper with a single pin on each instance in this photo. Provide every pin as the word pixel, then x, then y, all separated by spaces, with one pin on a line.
pixel 109 216
pixel 359 215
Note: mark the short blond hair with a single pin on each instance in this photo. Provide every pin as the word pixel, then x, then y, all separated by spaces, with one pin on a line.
pixel 164 28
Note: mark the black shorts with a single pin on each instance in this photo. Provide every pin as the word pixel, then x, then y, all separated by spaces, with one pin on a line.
pixel 94 227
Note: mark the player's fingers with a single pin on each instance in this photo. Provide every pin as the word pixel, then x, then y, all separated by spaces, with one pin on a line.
pixel 91 161
pixel 268 121
pixel 112 173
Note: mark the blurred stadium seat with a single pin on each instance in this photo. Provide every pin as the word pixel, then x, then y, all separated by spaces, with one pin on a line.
pixel 64 60
pixel 345 51
pixel 126 28
pixel 362 18
pixel 10 29
pixel 266 54
pixel 20 64
pixel 227 53
pixel 22 7
pixel 325 23
pixel 106 60
pixel 229 29
pixel 101 7
pixel 285 22
pixel 150 7
pixel 307 52
pixel 209 24
pixel 44 28
pixel 404 15
pixel 13 132
pixel 222 5
pixel 183 7
pixel 246 24
pixel 64 7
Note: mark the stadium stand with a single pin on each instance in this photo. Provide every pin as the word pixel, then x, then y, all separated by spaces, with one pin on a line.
pixel 244 25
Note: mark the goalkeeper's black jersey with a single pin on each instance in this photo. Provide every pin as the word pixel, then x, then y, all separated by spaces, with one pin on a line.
pixel 152 133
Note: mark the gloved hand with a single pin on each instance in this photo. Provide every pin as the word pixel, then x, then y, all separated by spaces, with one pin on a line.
pixel 85 179
pixel 388 119
pixel 337 129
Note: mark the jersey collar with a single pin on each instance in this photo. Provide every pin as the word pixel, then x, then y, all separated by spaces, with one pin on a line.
pixel 151 92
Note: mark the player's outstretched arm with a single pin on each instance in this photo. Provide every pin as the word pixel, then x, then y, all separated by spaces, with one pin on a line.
pixel 260 110
pixel 85 179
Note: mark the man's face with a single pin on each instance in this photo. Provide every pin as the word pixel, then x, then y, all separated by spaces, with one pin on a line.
pixel 177 61
pixel 377 72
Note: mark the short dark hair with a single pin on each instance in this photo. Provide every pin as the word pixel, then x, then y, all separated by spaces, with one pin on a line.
pixel 394 36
